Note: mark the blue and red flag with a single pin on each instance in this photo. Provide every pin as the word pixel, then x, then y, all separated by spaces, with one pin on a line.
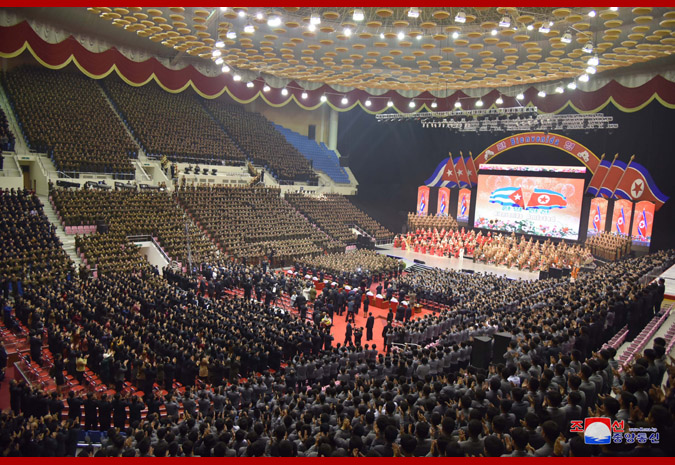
pixel 508 196
pixel 546 199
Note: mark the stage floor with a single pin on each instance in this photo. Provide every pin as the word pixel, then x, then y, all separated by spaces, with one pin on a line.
pixel 455 263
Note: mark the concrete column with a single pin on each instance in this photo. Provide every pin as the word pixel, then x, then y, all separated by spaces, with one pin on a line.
pixel 333 130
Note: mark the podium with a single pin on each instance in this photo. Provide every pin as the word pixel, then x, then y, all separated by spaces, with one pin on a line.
pixel 393 303
pixel 379 302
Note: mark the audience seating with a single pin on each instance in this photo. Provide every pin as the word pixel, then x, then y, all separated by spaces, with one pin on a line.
pixel 6 136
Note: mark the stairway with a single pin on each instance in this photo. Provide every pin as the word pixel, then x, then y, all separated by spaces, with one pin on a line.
pixel 68 241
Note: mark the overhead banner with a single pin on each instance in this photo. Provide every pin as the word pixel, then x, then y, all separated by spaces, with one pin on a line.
pixel 422 200
pixel 621 216
pixel 463 205
pixel 643 224
pixel 443 201
pixel 597 219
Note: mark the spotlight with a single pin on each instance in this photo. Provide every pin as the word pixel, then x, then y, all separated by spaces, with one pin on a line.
pixel 249 29
pixel 591 70
pixel 544 29
pixel 344 101
pixel 367 103
pixel 505 22
pixel 223 9
pixel 315 19
pixel 347 31
pixel 572 85
pixel 401 35
pixel 593 61
pixel 559 90
pixel 323 98
pixel 520 96
pixel 455 35
pixel 541 93
pixel 390 104
pixel 274 21
pixel 530 27
pixel 419 37
pixel 591 13
pixel 311 28
pixel 493 32
pixel 461 17
pixel 284 92
pixel 219 61
pixel 259 15
pixel 249 84
pixel 216 53
pixel 241 13
pixel 266 88
pixel 231 35
pixel 584 78
pixel 412 104
pixel 566 38
pixel 434 104
pixel 303 95
pixel 479 103
pixel 414 12
pixel 220 44
pixel 458 104
pixel 588 47
pixel 614 8
pixel 499 100
pixel 225 69
pixel 236 77
pixel 381 35
pixel 358 15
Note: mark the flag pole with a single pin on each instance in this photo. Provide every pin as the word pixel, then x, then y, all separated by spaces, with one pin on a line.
pixel 605 178
pixel 622 175
pixel 596 172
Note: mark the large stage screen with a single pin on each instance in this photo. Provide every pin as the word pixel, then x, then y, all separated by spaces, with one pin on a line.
pixel 540 201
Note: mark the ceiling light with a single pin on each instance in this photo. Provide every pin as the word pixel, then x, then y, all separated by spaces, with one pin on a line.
pixel 231 35
pixel 614 8
pixel 461 17
pixel 544 29
pixel 593 61
pixel 572 85
pixel 259 15
pixel 588 47
pixel 559 89
pixel 520 96
pixel 315 19
pixel 311 28
pixel 584 78
pixel 493 32
pixel 591 13
pixel 419 37
pixel 304 95
pixel 541 93
pixel 225 69
pixel 367 103
pixel 242 13
pixel 458 104
pixel 236 77
pixel 249 29
pixel 344 101
pixel 219 61
pixel 505 22
pixel 499 100
pixel 249 84
pixel 434 104
pixel 284 92
pixel 530 27
pixel 414 12
pixel 591 70
pixel 274 21
pixel 401 35
pixel 479 103
pixel 381 35
pixel 216 53
pixel 455 35
pixel 390 104
pixel 223 9
pixel 566 38
pixel 347 31
pixel 550 23
pixel 358 15
pixel 323 98
pixel 220 44
pixel 266 88
pixel 412 104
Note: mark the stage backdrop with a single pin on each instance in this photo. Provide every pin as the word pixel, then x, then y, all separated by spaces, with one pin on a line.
pixel 463 205
pixel 422 200
pixel 643 224
pixel 597 217
pixel 443 201
pixel 621 216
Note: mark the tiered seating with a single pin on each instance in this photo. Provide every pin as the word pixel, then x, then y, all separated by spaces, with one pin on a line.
pixel 644 337
pixel 416 222
pixel 251 222
pixel 66 115
pixel 6 136
pixel 618 338
pixel 323 159
pixel 31 253
pixel 335 215
pixel 256 135
pixel 174 125
pixel 128 213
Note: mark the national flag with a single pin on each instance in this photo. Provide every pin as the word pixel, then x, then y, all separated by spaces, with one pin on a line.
pixel 473 176
pixel 462 211
pixel 423 204
pixel 612 179
pixel 642 225
pixel 597 219
pixel 546 199
pixel 444 175
pixel 620 222
pixel 462 175
pixel 638 185
pixel 443 204
pixel 508 196
pixel 598 177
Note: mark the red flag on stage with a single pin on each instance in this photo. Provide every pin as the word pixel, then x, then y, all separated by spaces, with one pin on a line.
pixel 597 177
pixel 461 171
pixel 612 179
pixel 473 172
pixel 637 185
pixel 546 199
pixel 449 177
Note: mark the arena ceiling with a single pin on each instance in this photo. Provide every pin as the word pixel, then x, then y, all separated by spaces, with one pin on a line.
pixel 389 49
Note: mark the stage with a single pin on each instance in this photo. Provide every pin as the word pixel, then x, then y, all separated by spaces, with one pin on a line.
pixel 669 277
pixel 455 263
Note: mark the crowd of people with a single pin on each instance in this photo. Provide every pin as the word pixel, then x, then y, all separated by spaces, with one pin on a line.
pixel 254 222
pixel 609 246
pixel 443 243
pixel 439 222
pixel 366 261
pixel 6 136
pixel 336 215
pixel 65 115
pixel 174 125
pixel 265 146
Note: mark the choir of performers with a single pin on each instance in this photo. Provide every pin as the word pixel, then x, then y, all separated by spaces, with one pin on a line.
pixel 443 243
pixel 609 246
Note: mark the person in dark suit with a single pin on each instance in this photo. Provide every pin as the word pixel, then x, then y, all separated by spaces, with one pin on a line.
pixel 370 323
pixel 660 294
pixel 348 334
